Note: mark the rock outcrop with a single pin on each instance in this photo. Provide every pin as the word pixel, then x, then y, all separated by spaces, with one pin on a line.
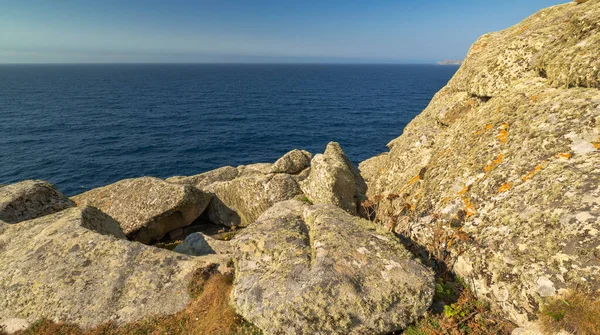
pixel 333 179
pixel 30 199
pixel 147 208
pixel 304 269
pixel 76 266
pixel 499 178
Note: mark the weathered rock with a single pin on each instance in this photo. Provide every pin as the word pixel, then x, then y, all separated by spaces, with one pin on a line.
pixel 198 244
pixel 505 164
pixel 30 199
pixel 333 179
pixel 304 269
pixel 202 180
pixel 241 201
pixel 147 208
pixel 254 169
pixel 292 162
pixel 76 266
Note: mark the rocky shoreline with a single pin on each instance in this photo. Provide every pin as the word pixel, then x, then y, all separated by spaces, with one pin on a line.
pixel 496 181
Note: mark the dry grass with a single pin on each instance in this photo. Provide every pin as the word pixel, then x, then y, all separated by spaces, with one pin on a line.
pixel 574 312
pixel 208 313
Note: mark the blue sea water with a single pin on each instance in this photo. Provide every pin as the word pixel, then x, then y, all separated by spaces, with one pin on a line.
pixel 84 126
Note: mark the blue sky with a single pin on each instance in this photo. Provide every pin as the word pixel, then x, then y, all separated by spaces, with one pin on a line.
pixel 375 31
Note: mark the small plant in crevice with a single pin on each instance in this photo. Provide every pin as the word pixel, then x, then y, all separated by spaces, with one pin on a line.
pixel 465 316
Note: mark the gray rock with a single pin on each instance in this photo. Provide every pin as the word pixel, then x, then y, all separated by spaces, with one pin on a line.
pixel 292 162
pixel 334 180
pixel 202 180
pixel 147 208
pixel 304 269
pixel 254 169
pixel 76 266
pixel 30 199
pixel 241 201
pixel 198 244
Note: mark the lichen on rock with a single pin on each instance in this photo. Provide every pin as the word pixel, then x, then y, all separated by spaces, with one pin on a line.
pixel 30 199
pixel 147 208
pixel 510 194
pixel 315 269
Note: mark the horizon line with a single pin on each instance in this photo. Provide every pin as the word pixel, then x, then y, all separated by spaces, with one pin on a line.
pixel 229 63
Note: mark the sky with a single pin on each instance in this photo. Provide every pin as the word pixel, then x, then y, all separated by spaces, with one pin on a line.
pixel 252 31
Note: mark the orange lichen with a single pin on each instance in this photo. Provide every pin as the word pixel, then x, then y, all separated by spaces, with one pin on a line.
pixel 469 207
pixel 494 163
pixel 532 173
pixel 535 98
pixel 414 179
pixel 464 190
pixel 566 155
pixel 503 135
pixel 487 127
pixel 597 144
pixel 505 187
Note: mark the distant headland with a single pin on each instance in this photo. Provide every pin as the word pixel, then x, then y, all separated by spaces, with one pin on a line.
pixel 450 62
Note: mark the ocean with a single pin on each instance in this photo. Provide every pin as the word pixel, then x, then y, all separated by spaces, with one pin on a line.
pixel 84 126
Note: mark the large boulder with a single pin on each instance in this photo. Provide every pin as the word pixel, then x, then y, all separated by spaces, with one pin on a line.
pixel 202 180
pixel 499 177
pixel 333 179
pixel 292 162
pixel 147 208
pixel 30 199
pixel 241 201
pixel 76 266
pixel 304 269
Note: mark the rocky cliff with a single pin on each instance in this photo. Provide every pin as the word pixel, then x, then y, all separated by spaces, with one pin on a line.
pixel 498 179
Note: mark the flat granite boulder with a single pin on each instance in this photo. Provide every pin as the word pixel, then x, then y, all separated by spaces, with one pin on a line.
pixel 304 269
pixel 202 180
pixel 292 162
pixel 76 266
pixel 147 208
pixel 30 199
pixel 333 179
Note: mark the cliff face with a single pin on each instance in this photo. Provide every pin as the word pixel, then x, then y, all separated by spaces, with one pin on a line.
pixel 499 177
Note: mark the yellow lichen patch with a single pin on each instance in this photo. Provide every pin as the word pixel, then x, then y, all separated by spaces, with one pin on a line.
pixel 566 155
pixel 494 163
pixel 503 136
pixel 505 187
pixel 469 207
pixel 532 173
pixel 487 127
pixel 535 98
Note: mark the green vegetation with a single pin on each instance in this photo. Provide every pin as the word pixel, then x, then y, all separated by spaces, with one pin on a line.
pixel 466 316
